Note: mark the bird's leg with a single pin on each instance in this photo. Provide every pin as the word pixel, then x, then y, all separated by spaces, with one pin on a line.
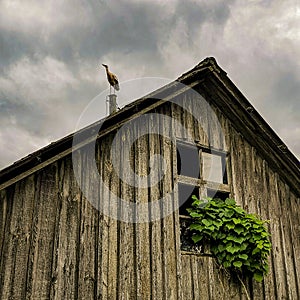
pixel 110 89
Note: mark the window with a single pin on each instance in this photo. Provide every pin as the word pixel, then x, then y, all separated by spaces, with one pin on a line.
pixel 202 172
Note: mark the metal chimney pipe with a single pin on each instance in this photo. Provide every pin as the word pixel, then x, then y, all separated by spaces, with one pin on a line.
pixel 112 103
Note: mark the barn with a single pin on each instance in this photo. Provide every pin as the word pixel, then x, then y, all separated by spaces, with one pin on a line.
pixel 100 214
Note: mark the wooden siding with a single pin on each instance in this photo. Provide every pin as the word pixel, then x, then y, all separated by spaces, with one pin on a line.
pixel 55 245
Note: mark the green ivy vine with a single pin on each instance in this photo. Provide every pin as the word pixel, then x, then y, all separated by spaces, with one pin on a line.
pixel 239 241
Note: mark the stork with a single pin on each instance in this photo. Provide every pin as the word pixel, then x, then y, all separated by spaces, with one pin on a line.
pixel 112 79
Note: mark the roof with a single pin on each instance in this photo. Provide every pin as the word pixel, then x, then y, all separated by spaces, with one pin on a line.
pixel 207 75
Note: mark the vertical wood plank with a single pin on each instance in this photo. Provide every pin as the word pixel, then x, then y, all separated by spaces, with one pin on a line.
pixel 277 255
pixel 215 129
pixel 202 274
pixel 101 290
pixel 227 147
pixel 187 286
pixel 41 246
pixel 295 233
pixel 187 117
pixel 170 259
pixel 200 110
pixel 126 280
pixel 253 202
pixel 65 253
pixel 284 202
pixel 194 279
pixel 113 234
pixel 175 116
pixel 156 253
pixel 17 241
pixel 142 234
pixel 270 280
pixel 237 167
pixel 4 207
pixel 88 229
pixel 177 229
pixel 106 174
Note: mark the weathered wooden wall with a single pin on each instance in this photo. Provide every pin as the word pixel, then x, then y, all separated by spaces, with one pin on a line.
pixel 55 245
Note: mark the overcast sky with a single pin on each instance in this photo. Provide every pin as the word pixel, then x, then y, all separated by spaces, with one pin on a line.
pixel 50 55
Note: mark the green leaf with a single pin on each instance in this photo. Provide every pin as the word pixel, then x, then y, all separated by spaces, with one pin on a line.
pixel 218 224
pixel 230 257
pixel 196 215
pixel 211 228
pixel 239 240
pixel 230 201
pixel 237 264
pixel 221 247
pixel 230 225
pixel 196 226
pixel 232 249
pixel 221 214
pixel 206 222
pixel 244 246
pixel 256 237
pixel 211 215
pixel 239 210
pixel 236 221
pixel 256 250
pixel 228 213
pixel 243 256
pixel 214 234
pixel 226 264
pixel 238 229
pixel 196 238
pixel 258 276
pixel 221 235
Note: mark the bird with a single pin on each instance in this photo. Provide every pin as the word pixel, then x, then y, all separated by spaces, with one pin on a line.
pixel 112 78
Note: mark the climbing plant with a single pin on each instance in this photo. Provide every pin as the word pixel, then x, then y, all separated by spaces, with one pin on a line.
pixel 239 240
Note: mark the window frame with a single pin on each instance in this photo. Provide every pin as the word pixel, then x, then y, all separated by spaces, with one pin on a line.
pixel 202 184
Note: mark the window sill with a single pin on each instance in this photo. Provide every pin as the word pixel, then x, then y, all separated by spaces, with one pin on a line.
pixel 184 217
pixel 199 182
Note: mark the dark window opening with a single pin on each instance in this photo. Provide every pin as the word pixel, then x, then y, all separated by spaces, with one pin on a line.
pixel 217 194
pixel 185 193
pixel 186 241
pixel 188 163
